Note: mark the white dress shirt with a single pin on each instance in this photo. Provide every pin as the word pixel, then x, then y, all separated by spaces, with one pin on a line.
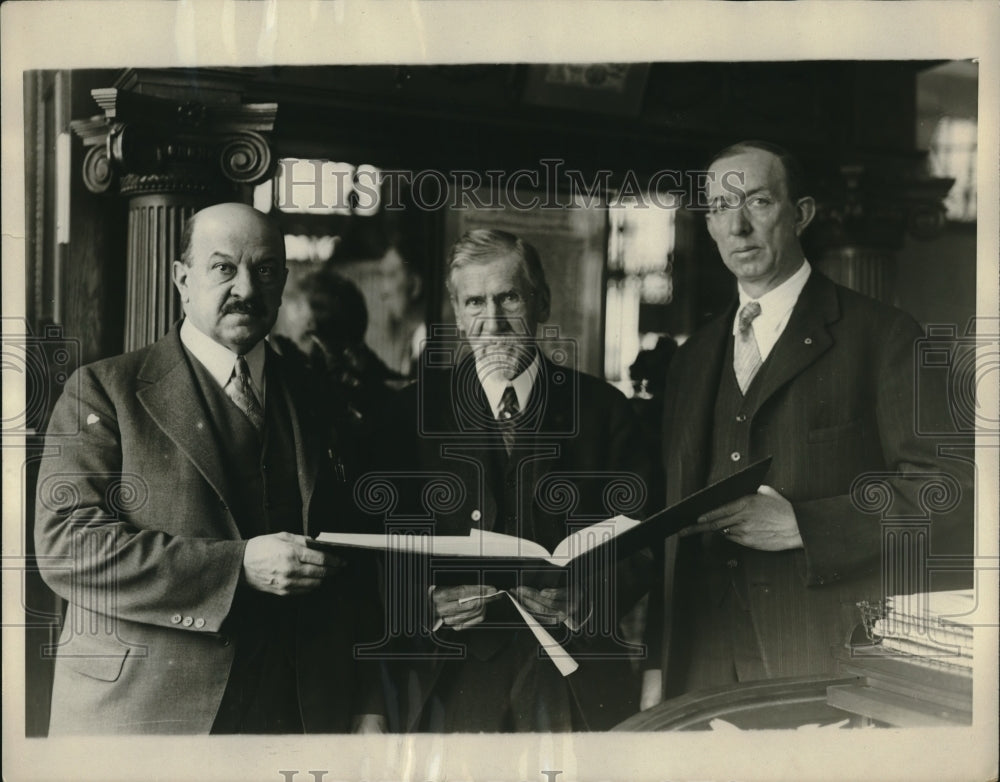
pixel 775 309
pixel 494 385
pixel 220 360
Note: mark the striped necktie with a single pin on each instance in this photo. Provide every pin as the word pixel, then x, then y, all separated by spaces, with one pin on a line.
pixel 240 390
pixel 507 415
pixel 746 354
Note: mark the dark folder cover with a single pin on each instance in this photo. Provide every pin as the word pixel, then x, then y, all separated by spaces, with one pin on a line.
pixel 685 513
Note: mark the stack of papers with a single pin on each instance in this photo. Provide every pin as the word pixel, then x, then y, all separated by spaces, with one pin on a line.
pixel 927 628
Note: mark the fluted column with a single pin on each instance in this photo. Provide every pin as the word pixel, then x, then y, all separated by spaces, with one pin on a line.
pixel 169 158
pixel 864 213
pixel 869 270
pixel 155 224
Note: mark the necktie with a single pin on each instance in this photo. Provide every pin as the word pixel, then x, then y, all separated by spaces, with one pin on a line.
pixel 241 392
pixel 509 408
pixel 746 355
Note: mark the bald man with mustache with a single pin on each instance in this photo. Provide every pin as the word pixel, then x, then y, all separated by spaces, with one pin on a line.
pixel 181 484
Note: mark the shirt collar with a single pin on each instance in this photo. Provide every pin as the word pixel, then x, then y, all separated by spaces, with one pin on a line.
pixel 776 304
pixel 220 360
pixel 494 385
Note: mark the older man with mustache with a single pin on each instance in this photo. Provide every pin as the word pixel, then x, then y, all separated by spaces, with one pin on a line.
pixel 519 430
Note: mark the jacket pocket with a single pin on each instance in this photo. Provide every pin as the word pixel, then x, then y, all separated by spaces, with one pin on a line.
pixel 93 656
pixel 849 429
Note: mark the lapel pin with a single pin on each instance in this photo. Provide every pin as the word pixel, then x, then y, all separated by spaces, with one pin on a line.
pixel 808 340
pixel 92 419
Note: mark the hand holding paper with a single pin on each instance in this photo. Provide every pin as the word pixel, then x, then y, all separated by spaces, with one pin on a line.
pixel 461 607
pixel 465 606
pixel 765 521
pixel 553 605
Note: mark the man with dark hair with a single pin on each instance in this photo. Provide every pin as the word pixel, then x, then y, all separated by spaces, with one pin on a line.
pixel 180 486
pixel 540 449
pixel 822 379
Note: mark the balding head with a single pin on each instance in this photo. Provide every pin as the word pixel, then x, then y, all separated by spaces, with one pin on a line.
pixel 232 212
pixel 231 274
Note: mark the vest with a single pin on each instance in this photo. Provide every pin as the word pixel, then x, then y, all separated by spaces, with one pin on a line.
pixel 261 468
pixel 720 557
pixel 731 422
pixel 514 505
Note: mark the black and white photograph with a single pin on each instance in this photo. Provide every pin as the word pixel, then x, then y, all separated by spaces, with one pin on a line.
pixel 443 391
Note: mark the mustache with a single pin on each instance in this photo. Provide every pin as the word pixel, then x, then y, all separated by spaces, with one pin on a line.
pixel 243 307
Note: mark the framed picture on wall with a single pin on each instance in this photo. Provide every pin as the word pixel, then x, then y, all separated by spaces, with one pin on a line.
pixel 612 88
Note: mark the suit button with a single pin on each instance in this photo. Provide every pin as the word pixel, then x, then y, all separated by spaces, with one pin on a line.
pixel 476 515
pixel 187 621
pixel 199 623
pixel 175 619
pixel 735 456
pixel 741 418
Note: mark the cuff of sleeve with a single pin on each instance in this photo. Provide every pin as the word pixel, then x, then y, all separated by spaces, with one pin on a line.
pixel 834 547
pixel 230 588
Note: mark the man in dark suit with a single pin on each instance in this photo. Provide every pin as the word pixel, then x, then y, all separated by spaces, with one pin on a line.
pixel 535 449
pixel 822 379
pixel 174 503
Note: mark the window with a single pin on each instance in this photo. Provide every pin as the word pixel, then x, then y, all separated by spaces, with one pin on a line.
pixel 953 154
pixel 640 284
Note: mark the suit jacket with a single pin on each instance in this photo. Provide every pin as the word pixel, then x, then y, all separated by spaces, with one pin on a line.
pixel 135 530
pixel 576 459
pixel 837 402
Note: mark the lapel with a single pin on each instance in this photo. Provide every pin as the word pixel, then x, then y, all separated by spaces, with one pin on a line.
pixel 805 338
pixel 694 405
pixel 174 404
pixel 456 406
pixel 305 427
pixel 549 412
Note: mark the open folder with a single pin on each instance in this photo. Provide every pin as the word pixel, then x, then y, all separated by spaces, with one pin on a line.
pixel 491 550
pixel 625 534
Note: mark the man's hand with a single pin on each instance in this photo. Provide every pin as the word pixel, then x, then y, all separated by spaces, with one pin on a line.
pixel 764 521
pixel 461 607
pixel 282 564
pixel 552 606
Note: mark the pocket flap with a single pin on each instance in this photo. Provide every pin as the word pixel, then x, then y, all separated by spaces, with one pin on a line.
pixel 99 657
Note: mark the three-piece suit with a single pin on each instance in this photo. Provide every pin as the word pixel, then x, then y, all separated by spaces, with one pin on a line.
pixel 146 496
pixel 835 406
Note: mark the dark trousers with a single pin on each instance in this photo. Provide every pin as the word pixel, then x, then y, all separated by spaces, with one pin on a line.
pixel 512 691
pixel 262 694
